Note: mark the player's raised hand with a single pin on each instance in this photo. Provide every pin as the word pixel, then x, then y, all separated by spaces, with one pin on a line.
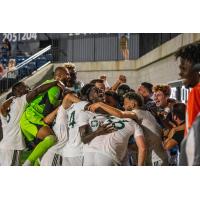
pixel 122 79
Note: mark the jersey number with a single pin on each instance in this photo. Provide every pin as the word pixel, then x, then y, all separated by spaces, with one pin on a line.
pixel 117 124
pixel 72 120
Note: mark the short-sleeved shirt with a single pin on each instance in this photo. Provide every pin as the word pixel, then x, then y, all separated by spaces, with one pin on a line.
pixel 152 132
pixel 74 145
pixel 114 144
pixel 12 136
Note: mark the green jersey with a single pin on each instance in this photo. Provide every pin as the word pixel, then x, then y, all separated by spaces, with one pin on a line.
pixel 43 104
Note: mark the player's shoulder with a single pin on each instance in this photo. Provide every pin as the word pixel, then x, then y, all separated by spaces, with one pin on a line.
pixel 80 105
pixel 19 100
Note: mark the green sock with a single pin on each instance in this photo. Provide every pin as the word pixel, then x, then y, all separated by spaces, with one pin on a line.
pixel 41 148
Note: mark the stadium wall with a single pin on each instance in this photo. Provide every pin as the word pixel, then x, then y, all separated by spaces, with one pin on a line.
pixel 157 66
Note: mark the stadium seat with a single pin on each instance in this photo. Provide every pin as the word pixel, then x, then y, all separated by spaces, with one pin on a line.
pixel 49 57
pixel 41 61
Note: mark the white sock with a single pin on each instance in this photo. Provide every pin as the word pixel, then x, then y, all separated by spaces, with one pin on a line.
pixel 27 163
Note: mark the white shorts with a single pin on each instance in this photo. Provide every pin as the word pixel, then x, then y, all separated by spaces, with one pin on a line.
pixel 97 159
pixel 51 159
pixel 10 157
pixel 131 158
pixel 158 158
pixel 73 161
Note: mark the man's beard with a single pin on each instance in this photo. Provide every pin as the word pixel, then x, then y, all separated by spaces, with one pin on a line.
pixel 70 83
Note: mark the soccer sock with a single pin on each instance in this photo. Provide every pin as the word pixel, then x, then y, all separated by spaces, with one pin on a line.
pixel 41 148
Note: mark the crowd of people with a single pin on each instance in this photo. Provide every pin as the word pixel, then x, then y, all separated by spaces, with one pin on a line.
pixel 65 122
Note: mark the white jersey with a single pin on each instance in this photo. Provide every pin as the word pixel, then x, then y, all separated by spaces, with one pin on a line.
pixel 12 136
pixel 114 144
pixel 74 145
pixel 60 130
pixel 156 155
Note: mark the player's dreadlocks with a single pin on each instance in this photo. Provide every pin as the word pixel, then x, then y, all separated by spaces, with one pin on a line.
pixel 190 52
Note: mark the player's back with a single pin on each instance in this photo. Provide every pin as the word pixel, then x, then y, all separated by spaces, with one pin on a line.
pixel 12 137
pixel 114 144
pixel 152 133
pixel 73 145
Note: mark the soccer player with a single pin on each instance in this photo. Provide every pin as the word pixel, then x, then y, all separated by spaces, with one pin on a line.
pixel 73 149
pixel 133 103
pixel 145 90
pixel 32 124
pixel 106 137
pixel 73 84
pixel 54 155
pixel 99 83
pixel 11 111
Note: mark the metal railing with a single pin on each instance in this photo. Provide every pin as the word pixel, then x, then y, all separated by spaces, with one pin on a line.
pixel 25 62
pixel 24 69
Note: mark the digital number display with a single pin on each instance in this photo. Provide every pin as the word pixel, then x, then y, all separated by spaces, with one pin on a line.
pixel 13 37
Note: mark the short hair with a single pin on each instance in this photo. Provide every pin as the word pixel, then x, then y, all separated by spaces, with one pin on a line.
pixel 70 65
pixel 190 52
pixel 148 86
pixel 179 110
pixel 136 97
pixel 113 94
pixel 124 87
pixel 60 68
pixel 15 86
pixel 94 81
pixel 85 90
pixel 163 88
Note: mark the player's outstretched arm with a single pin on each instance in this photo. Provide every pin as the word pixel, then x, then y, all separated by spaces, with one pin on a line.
pixel 4 107
pixel 113 111
pixel 87 135
pixel 68 100
pixel 43 88
pixel 169 143
pixel 50 117
pixel 141 150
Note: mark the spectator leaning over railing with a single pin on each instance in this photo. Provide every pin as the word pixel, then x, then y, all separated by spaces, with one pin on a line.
pixel 11 64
